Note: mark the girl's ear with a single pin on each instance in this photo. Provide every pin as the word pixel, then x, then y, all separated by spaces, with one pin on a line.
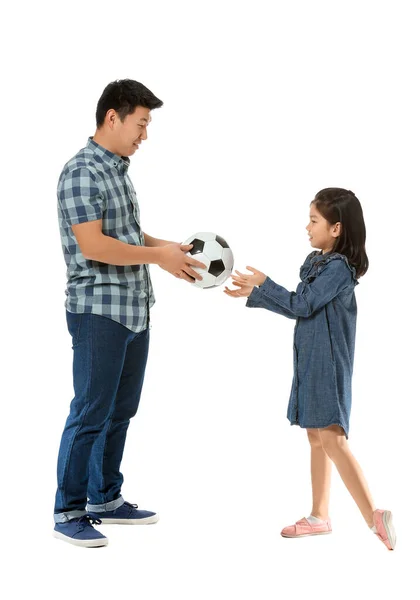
pixel 337 230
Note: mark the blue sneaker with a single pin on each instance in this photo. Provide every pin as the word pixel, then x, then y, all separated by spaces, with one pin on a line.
pixel 80 532
pixel 126 514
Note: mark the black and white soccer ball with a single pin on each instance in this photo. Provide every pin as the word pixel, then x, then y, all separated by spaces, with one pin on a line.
pixel 215 253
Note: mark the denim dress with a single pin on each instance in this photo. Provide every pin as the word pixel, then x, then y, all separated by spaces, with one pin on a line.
pixel 325 310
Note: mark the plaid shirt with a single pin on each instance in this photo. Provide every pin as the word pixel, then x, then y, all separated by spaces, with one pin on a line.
pixel 94 185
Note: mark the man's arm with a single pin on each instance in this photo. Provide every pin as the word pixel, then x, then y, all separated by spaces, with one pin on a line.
pixel 152 242
pixel 171 257
pixel 95 245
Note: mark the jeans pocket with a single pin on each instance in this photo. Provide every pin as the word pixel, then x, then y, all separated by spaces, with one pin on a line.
pixel 74 322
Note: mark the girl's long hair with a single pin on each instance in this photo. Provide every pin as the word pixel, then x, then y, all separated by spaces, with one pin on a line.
pixel 337 205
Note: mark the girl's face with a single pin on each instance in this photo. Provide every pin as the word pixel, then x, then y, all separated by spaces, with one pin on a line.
pixel 322 235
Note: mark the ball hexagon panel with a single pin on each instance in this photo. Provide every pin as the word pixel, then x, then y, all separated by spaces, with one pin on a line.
pixel 213 250
pixel 204 259
pixel 223 276
pixel 208 280
pixel 227 257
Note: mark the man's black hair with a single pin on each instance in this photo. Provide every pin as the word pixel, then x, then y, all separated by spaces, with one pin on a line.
pixel 124 96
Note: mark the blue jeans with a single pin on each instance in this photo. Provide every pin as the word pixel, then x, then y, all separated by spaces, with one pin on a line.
pixel 109 362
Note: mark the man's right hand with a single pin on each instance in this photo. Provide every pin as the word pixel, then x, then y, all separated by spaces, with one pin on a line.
pixel 173 259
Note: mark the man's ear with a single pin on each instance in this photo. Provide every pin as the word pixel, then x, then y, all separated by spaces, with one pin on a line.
pixel 111 118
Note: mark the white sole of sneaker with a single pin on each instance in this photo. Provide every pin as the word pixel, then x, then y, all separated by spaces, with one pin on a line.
pixel 145 521
pixel 83 543
pixel 305 534
pixel 389 528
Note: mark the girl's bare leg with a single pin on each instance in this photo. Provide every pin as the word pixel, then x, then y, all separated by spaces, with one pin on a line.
pixel 336 447
pixel 320 474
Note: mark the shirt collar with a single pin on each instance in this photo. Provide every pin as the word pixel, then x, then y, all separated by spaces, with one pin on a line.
pixel 121 163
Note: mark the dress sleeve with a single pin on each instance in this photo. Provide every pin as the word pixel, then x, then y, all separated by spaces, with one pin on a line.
pixel 79 197
pixel 332 280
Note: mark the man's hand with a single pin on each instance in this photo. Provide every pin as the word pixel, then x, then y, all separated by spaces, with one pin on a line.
pixel 174 260
pixel 245 283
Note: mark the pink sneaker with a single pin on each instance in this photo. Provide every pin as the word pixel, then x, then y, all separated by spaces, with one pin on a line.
pixel 385 531
pixel 304 528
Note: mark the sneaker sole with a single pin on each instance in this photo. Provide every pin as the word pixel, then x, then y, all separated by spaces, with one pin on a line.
pixel 83 543
pixel 145 521
pixel 306 534
pixel 389 528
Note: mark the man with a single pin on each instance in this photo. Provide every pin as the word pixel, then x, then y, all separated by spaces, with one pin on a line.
pixel 109 296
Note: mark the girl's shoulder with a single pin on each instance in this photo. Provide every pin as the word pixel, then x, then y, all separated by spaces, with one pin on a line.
pixel 316 262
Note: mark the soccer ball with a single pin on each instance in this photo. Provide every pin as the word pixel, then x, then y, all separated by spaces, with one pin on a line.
pixel 215 253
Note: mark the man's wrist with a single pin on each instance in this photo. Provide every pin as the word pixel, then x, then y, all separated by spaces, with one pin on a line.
pixel 157 254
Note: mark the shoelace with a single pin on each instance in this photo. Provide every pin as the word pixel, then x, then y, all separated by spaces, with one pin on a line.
pixel 131 505
pixel 87 521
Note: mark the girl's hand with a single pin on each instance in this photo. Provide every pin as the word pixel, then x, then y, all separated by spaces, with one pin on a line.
pixel 245 283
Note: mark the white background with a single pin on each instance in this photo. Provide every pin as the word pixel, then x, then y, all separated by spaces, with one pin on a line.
pixel 265 103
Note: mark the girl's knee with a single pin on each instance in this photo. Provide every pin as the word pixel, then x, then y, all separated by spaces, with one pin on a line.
pixel 333 439
pixel 314 438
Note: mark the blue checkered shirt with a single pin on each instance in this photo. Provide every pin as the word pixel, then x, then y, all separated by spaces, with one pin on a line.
pixel 94 185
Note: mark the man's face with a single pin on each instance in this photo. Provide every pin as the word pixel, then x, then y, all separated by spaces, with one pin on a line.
pixel 128 134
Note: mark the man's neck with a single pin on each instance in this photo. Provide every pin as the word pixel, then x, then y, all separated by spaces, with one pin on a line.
pixel 102 141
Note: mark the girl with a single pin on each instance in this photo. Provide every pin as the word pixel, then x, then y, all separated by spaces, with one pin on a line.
pixel 324 307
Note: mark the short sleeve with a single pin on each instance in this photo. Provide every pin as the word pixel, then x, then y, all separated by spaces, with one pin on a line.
pixel 79 197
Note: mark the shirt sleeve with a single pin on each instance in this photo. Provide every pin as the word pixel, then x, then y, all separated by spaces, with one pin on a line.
pixel 332 280
pixel 80 198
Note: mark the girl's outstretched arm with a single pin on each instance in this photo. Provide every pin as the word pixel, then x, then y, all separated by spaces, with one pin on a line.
pixel 245 286
pixel 332 280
